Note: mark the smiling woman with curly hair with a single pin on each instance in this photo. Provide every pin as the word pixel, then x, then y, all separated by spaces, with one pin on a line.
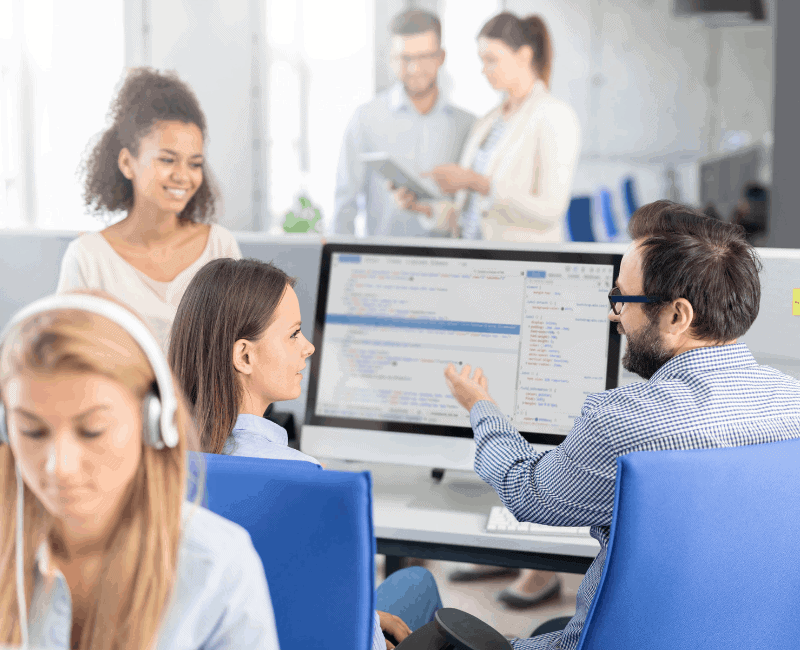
pixel 149 164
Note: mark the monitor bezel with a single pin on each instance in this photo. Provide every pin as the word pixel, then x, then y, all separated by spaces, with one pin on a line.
pixel 495 254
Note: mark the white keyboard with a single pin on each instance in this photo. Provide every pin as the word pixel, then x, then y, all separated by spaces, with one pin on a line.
pixel 502 521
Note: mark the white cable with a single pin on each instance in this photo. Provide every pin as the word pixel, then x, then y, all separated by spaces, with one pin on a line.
pixel 22 603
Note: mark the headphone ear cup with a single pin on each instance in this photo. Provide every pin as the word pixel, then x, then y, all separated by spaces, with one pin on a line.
pixel 151 421
pixel 3 425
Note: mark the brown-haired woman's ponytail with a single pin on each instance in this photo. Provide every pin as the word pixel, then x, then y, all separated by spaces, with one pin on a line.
pixel 539 39
pixel 516 32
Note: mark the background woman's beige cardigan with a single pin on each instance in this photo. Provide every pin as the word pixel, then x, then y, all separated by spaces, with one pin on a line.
pixel 531 171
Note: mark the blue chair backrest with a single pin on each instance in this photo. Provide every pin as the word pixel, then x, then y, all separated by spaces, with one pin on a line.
pixel 607 212
pixel 703 552
pixel 579 219
pixel 313 531
pixel 629 194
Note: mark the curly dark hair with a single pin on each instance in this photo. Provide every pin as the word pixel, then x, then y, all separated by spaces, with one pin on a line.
pixel 145 98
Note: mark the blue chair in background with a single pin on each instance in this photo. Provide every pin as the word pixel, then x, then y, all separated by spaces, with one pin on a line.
pixel 313 531
pixel 703 552
pixel 579 219
pixel 608 217
pixel 630 197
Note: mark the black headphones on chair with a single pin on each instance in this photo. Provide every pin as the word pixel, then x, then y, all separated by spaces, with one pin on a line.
pixel 160 404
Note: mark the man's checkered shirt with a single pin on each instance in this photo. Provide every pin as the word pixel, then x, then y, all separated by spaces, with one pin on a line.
pixel 703 398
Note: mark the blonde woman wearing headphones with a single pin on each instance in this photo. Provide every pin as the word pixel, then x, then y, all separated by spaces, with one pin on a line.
pixel 98 547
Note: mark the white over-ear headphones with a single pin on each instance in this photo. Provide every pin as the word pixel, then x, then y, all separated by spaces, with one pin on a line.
pixel 159 428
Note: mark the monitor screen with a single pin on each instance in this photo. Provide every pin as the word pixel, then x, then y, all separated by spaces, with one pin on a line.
pixel 389 319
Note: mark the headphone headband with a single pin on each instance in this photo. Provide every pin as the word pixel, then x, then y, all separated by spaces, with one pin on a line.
pixel 133 326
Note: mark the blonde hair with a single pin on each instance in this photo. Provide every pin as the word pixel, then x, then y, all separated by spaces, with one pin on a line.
pixel 139 564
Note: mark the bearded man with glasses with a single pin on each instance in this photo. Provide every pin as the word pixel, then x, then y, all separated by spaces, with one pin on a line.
pixel 688 289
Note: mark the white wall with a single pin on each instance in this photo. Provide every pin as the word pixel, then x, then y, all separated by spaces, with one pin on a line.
pixel 460 77
pixel 340 50
pixel 641 82
pixel 68 73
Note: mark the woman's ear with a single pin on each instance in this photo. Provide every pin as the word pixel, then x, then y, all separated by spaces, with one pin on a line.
pixel 124 161
pixel 525 54
pixel 241 357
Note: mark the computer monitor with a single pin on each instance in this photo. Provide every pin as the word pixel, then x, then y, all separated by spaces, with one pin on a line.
pixel 389 319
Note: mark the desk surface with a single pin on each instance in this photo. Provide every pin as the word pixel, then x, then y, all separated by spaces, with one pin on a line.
pixel 414 515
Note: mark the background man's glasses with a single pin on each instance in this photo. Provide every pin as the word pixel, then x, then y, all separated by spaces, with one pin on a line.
pixel 426 58
pixel 616 299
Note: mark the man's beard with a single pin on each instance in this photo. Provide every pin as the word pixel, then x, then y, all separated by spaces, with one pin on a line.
pixel 423 92
pixel 646 351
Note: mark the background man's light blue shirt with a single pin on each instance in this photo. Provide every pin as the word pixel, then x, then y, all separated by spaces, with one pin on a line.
pixel 257 437
pixel 220 598
pixel 390 123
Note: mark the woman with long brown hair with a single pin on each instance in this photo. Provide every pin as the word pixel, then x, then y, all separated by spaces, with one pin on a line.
pixel 236 347
pixel 98 548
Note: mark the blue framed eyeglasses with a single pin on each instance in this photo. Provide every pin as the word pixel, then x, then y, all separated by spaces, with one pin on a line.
pixel 615 299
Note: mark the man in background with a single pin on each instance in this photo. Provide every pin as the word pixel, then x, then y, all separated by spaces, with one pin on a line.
pixel 411 122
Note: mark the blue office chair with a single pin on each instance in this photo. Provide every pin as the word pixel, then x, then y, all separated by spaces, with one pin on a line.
pixel 703 552
pixel 579 219
pixel 313 532
pixel 606 206
pixel 630 198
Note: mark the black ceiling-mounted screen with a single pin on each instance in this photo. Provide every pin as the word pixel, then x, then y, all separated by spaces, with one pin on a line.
pixel 755 8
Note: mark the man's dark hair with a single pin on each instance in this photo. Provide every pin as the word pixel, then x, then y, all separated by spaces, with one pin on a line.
pixel 686 254
pixel 416 21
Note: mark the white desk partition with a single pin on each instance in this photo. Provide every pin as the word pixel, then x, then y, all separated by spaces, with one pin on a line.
pixel 774 339
pixel 30 262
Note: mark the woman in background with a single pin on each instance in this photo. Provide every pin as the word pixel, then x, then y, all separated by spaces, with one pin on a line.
pixel 515 176
pixel 112 555
pixel 150 165
pixel 237 347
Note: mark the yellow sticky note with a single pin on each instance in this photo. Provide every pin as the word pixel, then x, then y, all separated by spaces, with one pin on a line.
pixel 795 302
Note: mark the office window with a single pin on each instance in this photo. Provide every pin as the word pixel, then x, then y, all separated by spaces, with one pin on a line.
pixel 320 57
pixel 10 171
pixel 59 67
